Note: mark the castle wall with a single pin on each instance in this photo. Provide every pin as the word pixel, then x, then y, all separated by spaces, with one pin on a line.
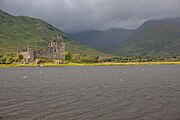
pixel 28 56
pixel 44 53
pixel 56 50
pixel 31 56
pixel 25 55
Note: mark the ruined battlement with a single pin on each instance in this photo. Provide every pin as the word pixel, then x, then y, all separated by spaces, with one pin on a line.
pixel 55 51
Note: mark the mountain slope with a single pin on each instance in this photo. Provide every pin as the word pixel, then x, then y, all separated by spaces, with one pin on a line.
pixel 103 40
pixel 15 30
pixel 153 38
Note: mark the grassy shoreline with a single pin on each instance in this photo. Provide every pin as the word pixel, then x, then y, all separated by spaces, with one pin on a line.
pixel 90 64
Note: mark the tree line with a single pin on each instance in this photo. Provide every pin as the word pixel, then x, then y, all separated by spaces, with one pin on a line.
pixel 10 58
pixel 141 59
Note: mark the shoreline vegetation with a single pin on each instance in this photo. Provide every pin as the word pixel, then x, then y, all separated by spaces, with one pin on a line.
pixel 17 60
pixel 89 64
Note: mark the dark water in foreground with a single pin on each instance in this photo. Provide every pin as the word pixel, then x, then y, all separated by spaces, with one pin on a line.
pixel 90 93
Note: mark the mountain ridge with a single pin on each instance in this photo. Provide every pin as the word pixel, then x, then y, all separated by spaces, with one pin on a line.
pixel 36 33
pixel 152 38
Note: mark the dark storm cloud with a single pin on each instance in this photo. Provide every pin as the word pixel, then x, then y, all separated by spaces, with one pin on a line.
pixel 75 15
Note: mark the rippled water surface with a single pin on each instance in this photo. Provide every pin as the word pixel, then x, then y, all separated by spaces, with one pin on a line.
pixel 90 93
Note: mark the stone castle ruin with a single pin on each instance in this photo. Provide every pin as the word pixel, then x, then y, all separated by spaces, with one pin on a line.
pixel 55 51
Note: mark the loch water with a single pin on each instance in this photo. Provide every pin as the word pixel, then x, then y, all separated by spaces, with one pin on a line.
pixel 146 92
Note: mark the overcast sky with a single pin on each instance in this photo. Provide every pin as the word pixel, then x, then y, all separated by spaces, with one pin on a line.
pixel 78 15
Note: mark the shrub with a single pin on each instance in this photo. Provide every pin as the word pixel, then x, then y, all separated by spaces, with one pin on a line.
pixel 17 58
pixel 68 56
pixel 9 60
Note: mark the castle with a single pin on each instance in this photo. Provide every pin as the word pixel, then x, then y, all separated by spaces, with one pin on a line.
pixel 55 51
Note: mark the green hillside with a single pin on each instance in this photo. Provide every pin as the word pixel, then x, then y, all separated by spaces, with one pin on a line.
pixel 15 30
pixel 153 38
pixel 102 40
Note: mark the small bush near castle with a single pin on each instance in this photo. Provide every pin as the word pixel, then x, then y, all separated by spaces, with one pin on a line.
pixel 10 58
pixel 68 56
pixel 85 59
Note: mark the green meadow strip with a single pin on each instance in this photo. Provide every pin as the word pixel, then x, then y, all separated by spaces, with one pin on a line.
pixel 89 64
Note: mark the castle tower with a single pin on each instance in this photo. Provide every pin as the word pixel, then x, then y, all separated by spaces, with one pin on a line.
pixel 58 48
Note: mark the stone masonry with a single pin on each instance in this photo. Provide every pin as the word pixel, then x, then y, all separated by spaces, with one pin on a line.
pixel 55 51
